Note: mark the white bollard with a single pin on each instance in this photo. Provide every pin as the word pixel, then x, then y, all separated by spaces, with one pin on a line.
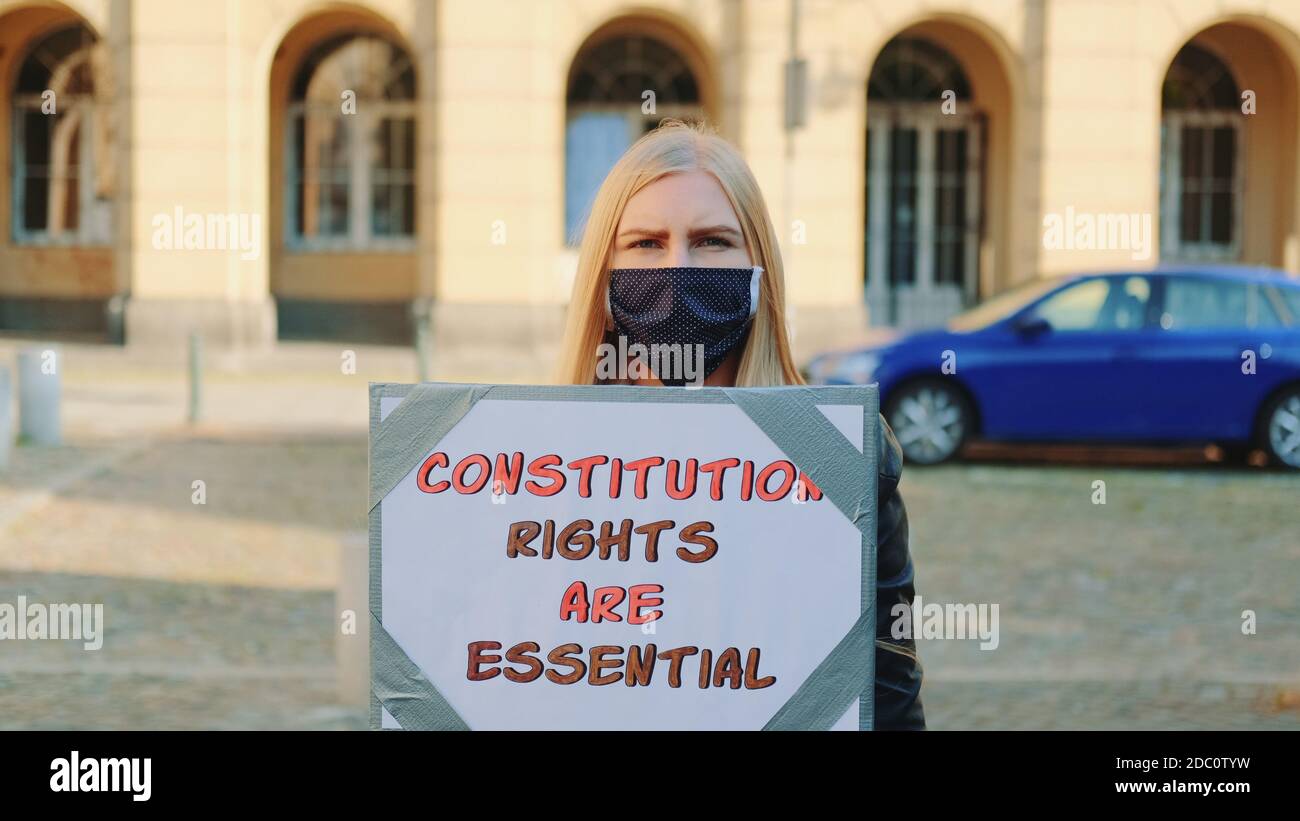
pixel 40 377
pixel 6 416
pixel 352 650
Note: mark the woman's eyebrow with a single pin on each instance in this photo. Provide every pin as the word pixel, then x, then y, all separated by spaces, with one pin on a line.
pixel 713 229
pixel 662 233
pixel 694 233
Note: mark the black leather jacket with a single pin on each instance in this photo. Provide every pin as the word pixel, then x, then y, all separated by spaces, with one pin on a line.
pixel 898 668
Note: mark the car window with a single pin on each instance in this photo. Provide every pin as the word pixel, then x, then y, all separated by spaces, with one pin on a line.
pixel 1126 305
pixel 1260 311
pixel 1076 308
pixel 1001 306
pixel 1291 300
pixel 1193 304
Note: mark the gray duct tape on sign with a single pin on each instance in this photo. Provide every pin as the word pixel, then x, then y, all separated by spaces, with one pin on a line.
pixel 789 417
pixel 404 690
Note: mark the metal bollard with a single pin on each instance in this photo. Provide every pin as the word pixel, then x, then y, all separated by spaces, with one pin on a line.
pixel 40 394
pixel 6 417
pixel 422 348
pixel 196 374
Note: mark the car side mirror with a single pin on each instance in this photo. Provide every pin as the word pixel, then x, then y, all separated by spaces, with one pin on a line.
pixel 1030 325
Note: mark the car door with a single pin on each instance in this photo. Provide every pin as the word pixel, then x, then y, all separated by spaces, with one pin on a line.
pixel 1207 359
pixel 1068 367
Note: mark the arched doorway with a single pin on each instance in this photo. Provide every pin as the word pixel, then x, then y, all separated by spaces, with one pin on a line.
pixel 924 183
pixel 59 135
pixel 350 163
pixel 623 82
pixel 58 191
pixel 1200 151
pixel 343 192
pixel 1228 148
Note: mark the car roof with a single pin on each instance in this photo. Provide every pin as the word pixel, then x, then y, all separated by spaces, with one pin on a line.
pixel 1250 273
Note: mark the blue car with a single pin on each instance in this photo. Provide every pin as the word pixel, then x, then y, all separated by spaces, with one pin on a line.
pixel 1175 354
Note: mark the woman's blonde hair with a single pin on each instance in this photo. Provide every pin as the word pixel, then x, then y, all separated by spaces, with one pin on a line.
pixel 673 148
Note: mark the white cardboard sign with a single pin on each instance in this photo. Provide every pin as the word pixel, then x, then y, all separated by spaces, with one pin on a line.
pixel 557 564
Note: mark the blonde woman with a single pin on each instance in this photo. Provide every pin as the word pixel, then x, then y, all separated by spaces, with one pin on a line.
pixel 679 250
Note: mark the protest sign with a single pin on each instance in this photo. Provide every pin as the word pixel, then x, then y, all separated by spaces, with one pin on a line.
pixel 616 557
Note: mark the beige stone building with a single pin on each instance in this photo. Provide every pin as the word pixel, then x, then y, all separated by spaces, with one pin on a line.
pixel 263 169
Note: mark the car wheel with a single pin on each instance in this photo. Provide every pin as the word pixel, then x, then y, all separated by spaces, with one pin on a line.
pixel 1282 429
pixel 931 420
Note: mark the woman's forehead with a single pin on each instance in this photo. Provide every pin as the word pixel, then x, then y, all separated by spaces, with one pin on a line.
pixel 679 200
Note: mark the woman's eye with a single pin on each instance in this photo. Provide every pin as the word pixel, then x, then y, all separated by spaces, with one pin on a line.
pixel 716 242
pixel 645 243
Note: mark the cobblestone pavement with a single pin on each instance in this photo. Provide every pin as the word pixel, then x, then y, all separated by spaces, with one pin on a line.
pixel 222 615
pixel 1123 615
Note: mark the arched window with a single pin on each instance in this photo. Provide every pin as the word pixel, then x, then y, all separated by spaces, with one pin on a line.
pixel 61 171
pixel 914 70
pixel 608 108
pixel 923 185
pixel 351 147
pixel 1200 146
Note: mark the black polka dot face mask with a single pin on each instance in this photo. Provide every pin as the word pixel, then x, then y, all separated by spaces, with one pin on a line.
pixel 709 307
